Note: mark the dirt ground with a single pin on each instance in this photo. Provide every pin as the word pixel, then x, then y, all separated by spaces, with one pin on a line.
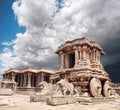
pixel 22 102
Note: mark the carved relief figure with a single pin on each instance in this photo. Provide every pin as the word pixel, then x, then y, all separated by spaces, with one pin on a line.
pixel 46 88
pixel 65 88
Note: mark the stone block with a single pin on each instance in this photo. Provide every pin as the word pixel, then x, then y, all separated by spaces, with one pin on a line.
pixel 84 99
pixel 39 98
pixel 56 100
pixel 71 99
pixel 6 91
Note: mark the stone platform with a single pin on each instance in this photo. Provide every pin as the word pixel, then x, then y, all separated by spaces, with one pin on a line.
pixel 62 100
pixel 94 99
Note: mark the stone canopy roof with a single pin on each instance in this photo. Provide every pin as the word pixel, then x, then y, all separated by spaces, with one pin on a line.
pixel 80 42
pixel 32 70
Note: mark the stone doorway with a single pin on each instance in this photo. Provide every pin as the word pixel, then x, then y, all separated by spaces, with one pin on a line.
pixel 71 60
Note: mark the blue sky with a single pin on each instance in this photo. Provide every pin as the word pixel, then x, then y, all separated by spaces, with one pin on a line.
pixel 8 24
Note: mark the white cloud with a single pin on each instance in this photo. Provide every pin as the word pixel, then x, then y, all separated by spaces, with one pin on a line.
pixel 6 58
pixel 33 13
pixel 46 30
pixel 7 43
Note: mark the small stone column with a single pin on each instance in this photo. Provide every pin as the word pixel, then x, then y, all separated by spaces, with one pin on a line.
pixel 29 80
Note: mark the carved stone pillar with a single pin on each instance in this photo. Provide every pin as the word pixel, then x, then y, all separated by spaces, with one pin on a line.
pixel 18 80
pixel 94 55
pixel 36 84
pixel 21 80
pixel 62 61
pixel 67 61
pixel 80 54
pixel 13 77
pixel 3 78
pixel 42 77
pixel 84 55
pixel 33 80
pixel 38 79
pixel 76 56
pixel 29 80
pixel 25 80
pixel 9 77
pixel 97 56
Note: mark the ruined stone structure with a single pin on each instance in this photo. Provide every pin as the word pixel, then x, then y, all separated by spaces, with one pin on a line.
pixel 80 67
pixel 29 78
pixel 80 63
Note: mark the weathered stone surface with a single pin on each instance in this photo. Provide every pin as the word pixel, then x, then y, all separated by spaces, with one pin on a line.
pixel 6 91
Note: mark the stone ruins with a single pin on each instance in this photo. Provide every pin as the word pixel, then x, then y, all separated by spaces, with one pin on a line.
pixel 80 74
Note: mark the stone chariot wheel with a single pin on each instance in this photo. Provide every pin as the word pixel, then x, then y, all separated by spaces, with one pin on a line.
pixel 106 88
pixel 95 87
